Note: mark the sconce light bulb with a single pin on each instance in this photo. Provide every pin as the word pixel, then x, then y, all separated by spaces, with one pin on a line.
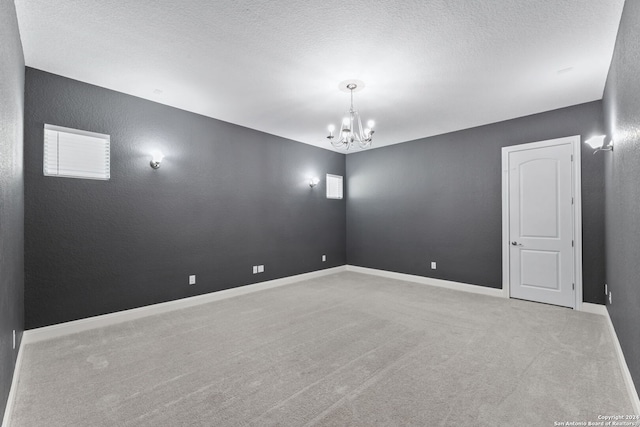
pixel 346 121
pixel 314 181
pixel 371 124
pixel 156 159
pixel 331 128
pixel 158 156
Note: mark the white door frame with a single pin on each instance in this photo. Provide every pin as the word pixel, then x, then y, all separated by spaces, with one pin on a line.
pixel 577 210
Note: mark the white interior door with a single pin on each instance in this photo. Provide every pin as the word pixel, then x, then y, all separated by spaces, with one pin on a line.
pixel 541 224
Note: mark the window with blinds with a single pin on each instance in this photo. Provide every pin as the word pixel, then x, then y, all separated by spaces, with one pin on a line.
pixel 334 186
pixel 73 153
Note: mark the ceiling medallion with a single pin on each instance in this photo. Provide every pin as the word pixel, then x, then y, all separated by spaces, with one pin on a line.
pixel 351 134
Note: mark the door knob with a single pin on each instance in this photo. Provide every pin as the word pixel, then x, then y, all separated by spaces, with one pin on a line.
pixel 516 244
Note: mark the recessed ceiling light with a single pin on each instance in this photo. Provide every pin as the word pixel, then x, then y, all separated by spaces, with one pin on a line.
pixel 565 70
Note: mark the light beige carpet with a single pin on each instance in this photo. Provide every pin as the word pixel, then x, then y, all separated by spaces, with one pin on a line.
pixel 342 350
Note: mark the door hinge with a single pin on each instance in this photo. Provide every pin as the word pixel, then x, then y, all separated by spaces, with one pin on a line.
pixel 572 157
pixel 573 286
pixel 572 200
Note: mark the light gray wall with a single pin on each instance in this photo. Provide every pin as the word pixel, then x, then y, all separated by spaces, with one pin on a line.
pixel 11 194
pixel 622 178
pixel 225 198
pixel 439 199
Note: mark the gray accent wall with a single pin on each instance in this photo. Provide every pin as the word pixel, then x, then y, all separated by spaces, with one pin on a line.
pixel 224 199
pixel 622 179
pixel 11 195
pixel 439 199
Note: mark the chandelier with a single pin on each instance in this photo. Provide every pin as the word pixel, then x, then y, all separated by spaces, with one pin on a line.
pixel 351 133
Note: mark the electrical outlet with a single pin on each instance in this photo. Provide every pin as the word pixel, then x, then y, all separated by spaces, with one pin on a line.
pixel 192 279
pixel 609 298
pixel 14 339
pixel 433 265
pixel 255 269
pixel 261 269
pixel 324 258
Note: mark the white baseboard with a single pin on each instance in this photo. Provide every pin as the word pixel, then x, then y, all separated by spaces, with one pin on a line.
pixel 628 380
pixel 465 287
pixel 14 386
pixel 600 309
pixel 61 329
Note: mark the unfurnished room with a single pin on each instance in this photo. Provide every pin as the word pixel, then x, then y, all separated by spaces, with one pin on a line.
pixel 319 213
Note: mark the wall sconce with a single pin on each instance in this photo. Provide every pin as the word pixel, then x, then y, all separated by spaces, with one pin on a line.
pixel 597 143
pixel 314 181
pixel 156 159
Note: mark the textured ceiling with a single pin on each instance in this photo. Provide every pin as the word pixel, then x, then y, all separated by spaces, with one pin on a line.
pixel 429 67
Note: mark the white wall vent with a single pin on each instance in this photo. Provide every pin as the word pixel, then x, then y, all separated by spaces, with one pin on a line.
pixel 334 186
pixel 73 153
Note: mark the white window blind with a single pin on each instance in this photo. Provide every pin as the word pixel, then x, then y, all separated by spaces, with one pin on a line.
pixel 334 186
pixel 73 153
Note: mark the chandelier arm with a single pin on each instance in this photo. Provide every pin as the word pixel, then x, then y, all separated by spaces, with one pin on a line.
pixel 338 144
pixel 365 144
pixel 360 130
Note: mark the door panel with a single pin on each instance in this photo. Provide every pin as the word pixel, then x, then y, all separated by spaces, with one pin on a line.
pixel 541 261
pixel 539 198
pixel 539 269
